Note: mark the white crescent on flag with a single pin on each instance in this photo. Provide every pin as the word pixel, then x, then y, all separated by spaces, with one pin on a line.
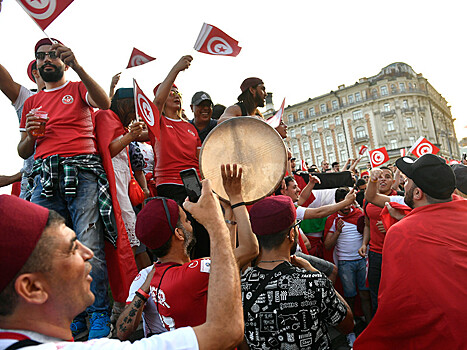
pixel 147 111
pixel 44 12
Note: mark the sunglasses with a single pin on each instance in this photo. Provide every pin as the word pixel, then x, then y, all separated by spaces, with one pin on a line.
pixel 166 209
pixel 41 55
pixel 175 93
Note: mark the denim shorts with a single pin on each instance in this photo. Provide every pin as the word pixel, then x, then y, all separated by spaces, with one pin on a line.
pixel 353 275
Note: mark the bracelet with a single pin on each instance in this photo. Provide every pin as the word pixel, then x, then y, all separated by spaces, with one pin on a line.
pixel 230 222
pixel 141 296
pixel 143 293
pixel 239 204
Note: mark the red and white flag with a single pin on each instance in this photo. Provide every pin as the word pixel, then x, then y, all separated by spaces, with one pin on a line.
pixel 138 58
pixel 304 168
pixel 423 146
pixel 213 41
pixel 148 111
pixel 44 12
pixel 378 157
pixel 403 152
pixel 362 150
pixel 275 120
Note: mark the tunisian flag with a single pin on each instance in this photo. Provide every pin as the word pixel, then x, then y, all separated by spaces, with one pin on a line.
pixel 44 12
pixel 378 157
pixel 148 111
pixel 213 41
pixel 275 120
pixel 138 58
pixel 362 150
pixel 423 146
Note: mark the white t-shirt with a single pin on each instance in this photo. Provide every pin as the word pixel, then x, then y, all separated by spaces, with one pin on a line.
pixel 349 241
pixel 23 95
pixel 398 199
pixel 151 320
pixel 179 339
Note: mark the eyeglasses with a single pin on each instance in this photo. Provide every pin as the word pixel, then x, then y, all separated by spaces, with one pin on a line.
pixel 173 93
pixel 166 209
pixel 41 55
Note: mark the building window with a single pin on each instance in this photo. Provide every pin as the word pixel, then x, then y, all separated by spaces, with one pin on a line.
pixel 295 150
pixel 325 124
pixel 410 87
pixel 386 107
pixel 408 122
pixel 402 87
pixel 290 117
pixel 343 154
pixel 423 122
pixel 384 90
pixel 334 105
pixel 323 108
pixel 340 137
pixel 360 132
pixel 393 88
pixel 292 133
pixel 393 144
pixel 358 97
pixel 411 140
pixel 301 115
pixel 317 143
pixel 319 159
pixel 312 111
pixel 303 130
pixel 405 104
pixel 306 146
pixel 338 120
pixel 350 98
pixel 357 114
pixel 390 125
pixel 374 92
pixel 328 141
pixel 314 127
pixel 331 157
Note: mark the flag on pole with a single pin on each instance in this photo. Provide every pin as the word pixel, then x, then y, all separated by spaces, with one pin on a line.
pixel 378 157
pixel 275 120
pixel 403 152
pixel 44 12
pixel 423 146
pixel 213 41
pixel 362 150
pixel 146 110
pixel 304 168
pixel 138 58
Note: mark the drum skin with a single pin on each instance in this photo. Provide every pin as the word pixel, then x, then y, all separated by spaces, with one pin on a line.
pixel 254 146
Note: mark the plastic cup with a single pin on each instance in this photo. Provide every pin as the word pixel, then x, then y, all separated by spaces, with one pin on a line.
pixel 42 116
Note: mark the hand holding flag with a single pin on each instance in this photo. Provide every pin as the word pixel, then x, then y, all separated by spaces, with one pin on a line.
pixel 213 41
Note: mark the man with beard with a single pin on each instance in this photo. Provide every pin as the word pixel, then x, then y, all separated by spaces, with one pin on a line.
pixel 67 175
pixel 177 287
pixel 287 304
pixel 422 297
pixel 253 96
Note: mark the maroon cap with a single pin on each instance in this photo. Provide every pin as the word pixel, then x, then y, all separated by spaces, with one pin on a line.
pixel 31 66
pixel 45 41
pixel 152 225
pixel 272 215
pixel 250 82
pixel 22 225
pixel 157 87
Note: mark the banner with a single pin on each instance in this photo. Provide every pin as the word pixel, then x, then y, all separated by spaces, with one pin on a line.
pixel 275 120
pixel 138 58
pixel 423 146
pixel 213 41
pixel 146 110
pixel 378 157
pixel 44 12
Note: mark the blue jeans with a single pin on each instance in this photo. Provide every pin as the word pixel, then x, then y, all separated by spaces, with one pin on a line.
pixel 352 274
pixel 82 214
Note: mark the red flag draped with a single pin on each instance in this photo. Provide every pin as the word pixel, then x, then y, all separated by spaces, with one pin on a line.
pixel 148 111
pixel 139 58
pixel 378 157
pixel 213 41
pixel 423 146
pixel 44 12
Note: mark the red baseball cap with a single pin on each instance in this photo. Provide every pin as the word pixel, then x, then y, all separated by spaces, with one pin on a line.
pixel 45 41
pixel 31 67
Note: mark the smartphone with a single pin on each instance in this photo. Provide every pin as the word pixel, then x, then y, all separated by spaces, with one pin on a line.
pixel 192 184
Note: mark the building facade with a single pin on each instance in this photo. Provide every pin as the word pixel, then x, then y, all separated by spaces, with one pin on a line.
pixel 392 109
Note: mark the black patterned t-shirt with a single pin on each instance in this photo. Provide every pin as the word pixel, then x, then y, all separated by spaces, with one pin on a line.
pixel 292 311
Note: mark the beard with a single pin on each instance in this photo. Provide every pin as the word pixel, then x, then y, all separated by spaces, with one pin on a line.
pixel 259 101
pixel 408 197
pixel 51 76
pixel 293 248
pixel 190 241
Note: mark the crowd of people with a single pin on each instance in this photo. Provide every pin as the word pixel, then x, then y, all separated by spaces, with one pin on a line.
pixel 330 249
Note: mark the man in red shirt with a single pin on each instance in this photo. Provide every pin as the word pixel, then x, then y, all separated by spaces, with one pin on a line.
pixel 422 296
pixel 67 175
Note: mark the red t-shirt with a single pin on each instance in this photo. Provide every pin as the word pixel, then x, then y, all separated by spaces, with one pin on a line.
pixel 183 292
pixel 376 236
pixel 175 151
pixel 69 130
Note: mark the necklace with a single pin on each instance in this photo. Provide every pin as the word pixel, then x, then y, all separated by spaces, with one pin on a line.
pixel 270 261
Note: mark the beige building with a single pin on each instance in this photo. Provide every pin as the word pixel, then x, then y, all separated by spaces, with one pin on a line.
pixel 392 109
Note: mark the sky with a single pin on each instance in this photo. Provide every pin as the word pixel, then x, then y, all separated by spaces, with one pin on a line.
pixel 301 49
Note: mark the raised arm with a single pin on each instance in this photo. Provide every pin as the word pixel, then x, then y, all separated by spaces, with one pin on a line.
pixel 371 192
pixel 248 247
pixel 326 210
pixel 113 84
pixel 97 97
pixel 223 328
pixel 306 191
pixel 8 86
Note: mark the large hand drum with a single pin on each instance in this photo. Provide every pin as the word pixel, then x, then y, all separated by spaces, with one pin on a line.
pixel 253 145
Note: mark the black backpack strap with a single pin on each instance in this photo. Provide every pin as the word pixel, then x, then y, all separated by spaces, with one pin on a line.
pixel 22 344
pixel 247 304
